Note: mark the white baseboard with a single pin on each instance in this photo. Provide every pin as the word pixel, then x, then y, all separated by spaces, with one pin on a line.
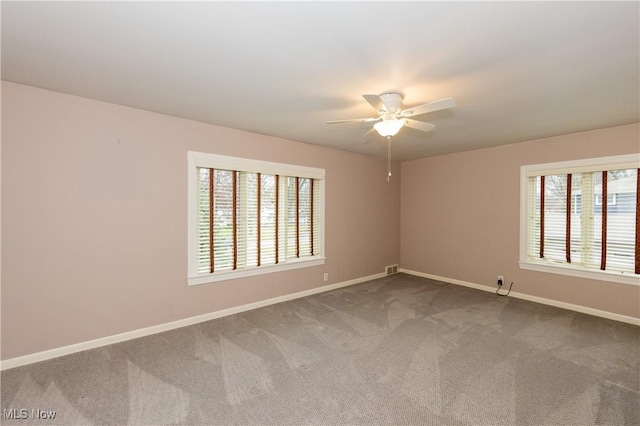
pixel 134 334
pixel 544 301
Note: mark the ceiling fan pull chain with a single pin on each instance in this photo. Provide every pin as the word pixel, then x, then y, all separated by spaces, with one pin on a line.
pixel 388 158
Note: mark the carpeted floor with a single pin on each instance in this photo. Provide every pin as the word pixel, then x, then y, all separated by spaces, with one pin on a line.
pixel 400 350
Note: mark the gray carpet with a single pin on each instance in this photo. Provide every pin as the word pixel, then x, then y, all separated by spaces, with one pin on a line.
pixel 397 350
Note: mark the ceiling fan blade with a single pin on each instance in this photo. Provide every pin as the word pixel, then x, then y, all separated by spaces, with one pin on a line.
pixel 430 107
pixel 376 102
pixel 370 133
pixel 418 125
pixel 354 120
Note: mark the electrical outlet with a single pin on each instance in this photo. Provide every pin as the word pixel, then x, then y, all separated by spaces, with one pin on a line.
pixel 326 276
pixel 500 280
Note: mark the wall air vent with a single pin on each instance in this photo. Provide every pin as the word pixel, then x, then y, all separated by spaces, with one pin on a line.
pixel 391 269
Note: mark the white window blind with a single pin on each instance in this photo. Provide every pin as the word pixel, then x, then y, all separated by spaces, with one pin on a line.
pixel 621 215
pixel 555 217
pixel 268 220
pixel 247 222
pixel 582 219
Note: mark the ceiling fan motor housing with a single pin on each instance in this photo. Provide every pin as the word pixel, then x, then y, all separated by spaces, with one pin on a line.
pixel 393 102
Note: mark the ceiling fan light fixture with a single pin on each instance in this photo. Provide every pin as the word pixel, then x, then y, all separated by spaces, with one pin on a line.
pixel 388 127
pixel 389 108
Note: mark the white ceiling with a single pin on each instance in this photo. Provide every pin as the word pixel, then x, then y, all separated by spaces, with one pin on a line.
pixel 517 70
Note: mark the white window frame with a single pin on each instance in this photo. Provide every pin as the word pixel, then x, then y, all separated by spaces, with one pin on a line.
pixel 197 160
pixel 630 161
pixel 613 202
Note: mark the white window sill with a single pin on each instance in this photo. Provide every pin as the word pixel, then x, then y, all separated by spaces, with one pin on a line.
pixel 564 269
pixel 259 270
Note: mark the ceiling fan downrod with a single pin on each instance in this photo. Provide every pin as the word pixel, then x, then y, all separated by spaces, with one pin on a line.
pixel 388 158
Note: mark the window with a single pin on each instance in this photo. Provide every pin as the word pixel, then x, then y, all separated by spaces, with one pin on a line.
pixel 249 217
pixel 581 218
pixel 611 199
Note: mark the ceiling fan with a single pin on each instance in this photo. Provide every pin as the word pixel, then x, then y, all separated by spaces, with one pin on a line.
pixel 391 117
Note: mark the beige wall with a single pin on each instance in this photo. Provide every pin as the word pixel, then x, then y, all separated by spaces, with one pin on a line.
pixel 460 217
pixel 94 219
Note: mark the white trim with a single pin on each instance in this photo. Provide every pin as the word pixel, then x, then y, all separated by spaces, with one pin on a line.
pixel 257 270
pixel 628 161
pixel 581 272
pixel 523 296
pixel 215 161
pixel 524 214
pixel 134 334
